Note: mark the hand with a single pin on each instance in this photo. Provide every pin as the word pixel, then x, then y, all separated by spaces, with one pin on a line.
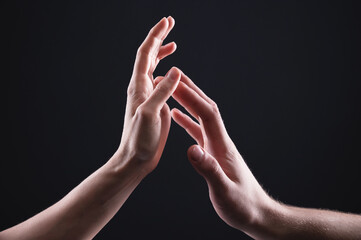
pixel 234 192
pixel 147 117
pixel 83 212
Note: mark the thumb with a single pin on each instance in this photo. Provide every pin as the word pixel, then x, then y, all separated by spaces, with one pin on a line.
pixel 207 166
pixel 163 90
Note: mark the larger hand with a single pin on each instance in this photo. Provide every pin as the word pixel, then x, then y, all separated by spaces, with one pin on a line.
pixel 235 194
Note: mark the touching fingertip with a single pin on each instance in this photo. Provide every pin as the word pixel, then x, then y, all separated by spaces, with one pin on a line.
pixel 174 111
pixel 196 153
pixel 158 79
pixel 163 20
pixel 173 74
pixel 176 69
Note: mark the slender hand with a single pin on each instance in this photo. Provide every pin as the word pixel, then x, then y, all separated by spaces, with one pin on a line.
pixel 235 194
pixel 147 118
pixel 86 209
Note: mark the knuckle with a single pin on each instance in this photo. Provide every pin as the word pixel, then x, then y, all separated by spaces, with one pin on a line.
pixel 146 47
pixel 214 108
pixel 153 39
pixel 212 113
pixel 151 31
pixel 152 36
pixel 211 166
pixel 131 91
pixel 141 50
pixel 216 169
pixel 136 94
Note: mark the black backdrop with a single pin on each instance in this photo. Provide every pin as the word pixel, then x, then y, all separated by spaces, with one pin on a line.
pixel 285 74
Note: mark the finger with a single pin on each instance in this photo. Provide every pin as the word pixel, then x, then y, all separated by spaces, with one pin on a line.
pixel 166 50
pixel 207 166
pixel 194 103
pixel 192 85
pixel 163 90
pixel 186 97
pixel 206 113
pixel 149 48
pixel 192 128
pixel 157 80
pixel 171 23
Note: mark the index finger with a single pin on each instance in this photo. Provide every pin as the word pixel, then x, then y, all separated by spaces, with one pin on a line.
pixel 207 113
pixel 192 85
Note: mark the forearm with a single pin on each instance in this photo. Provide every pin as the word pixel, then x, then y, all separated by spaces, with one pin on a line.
pixel 87 208
pixel 287 222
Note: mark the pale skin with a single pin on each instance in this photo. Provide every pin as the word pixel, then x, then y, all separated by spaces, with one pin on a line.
pixel 234 192
pixel 87 208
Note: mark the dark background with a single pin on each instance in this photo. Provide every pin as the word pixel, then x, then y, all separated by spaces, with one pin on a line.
pixel 286 76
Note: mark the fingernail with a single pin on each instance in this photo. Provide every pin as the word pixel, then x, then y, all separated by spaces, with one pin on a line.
pixel 173 75
pixel 197 153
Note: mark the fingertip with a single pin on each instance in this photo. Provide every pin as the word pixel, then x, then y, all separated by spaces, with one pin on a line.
pixel 163 18
pixel 158 80
pixel 174 112
pixel 195 153
pixel 174 46
pixel 174 74
pixel 164 23
pixel 176 70
pixel 171 21
pixel 160 28
pixel 177 116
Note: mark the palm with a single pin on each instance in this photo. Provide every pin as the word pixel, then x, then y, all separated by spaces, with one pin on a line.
pixel 148 134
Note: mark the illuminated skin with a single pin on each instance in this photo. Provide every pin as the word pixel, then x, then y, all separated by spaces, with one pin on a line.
pixel 234 192
pixel 87 208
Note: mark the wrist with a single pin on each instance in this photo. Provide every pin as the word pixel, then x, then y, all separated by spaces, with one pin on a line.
pixel 124 164
pixel 127 160
pixel 264 219
pixel 270 220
